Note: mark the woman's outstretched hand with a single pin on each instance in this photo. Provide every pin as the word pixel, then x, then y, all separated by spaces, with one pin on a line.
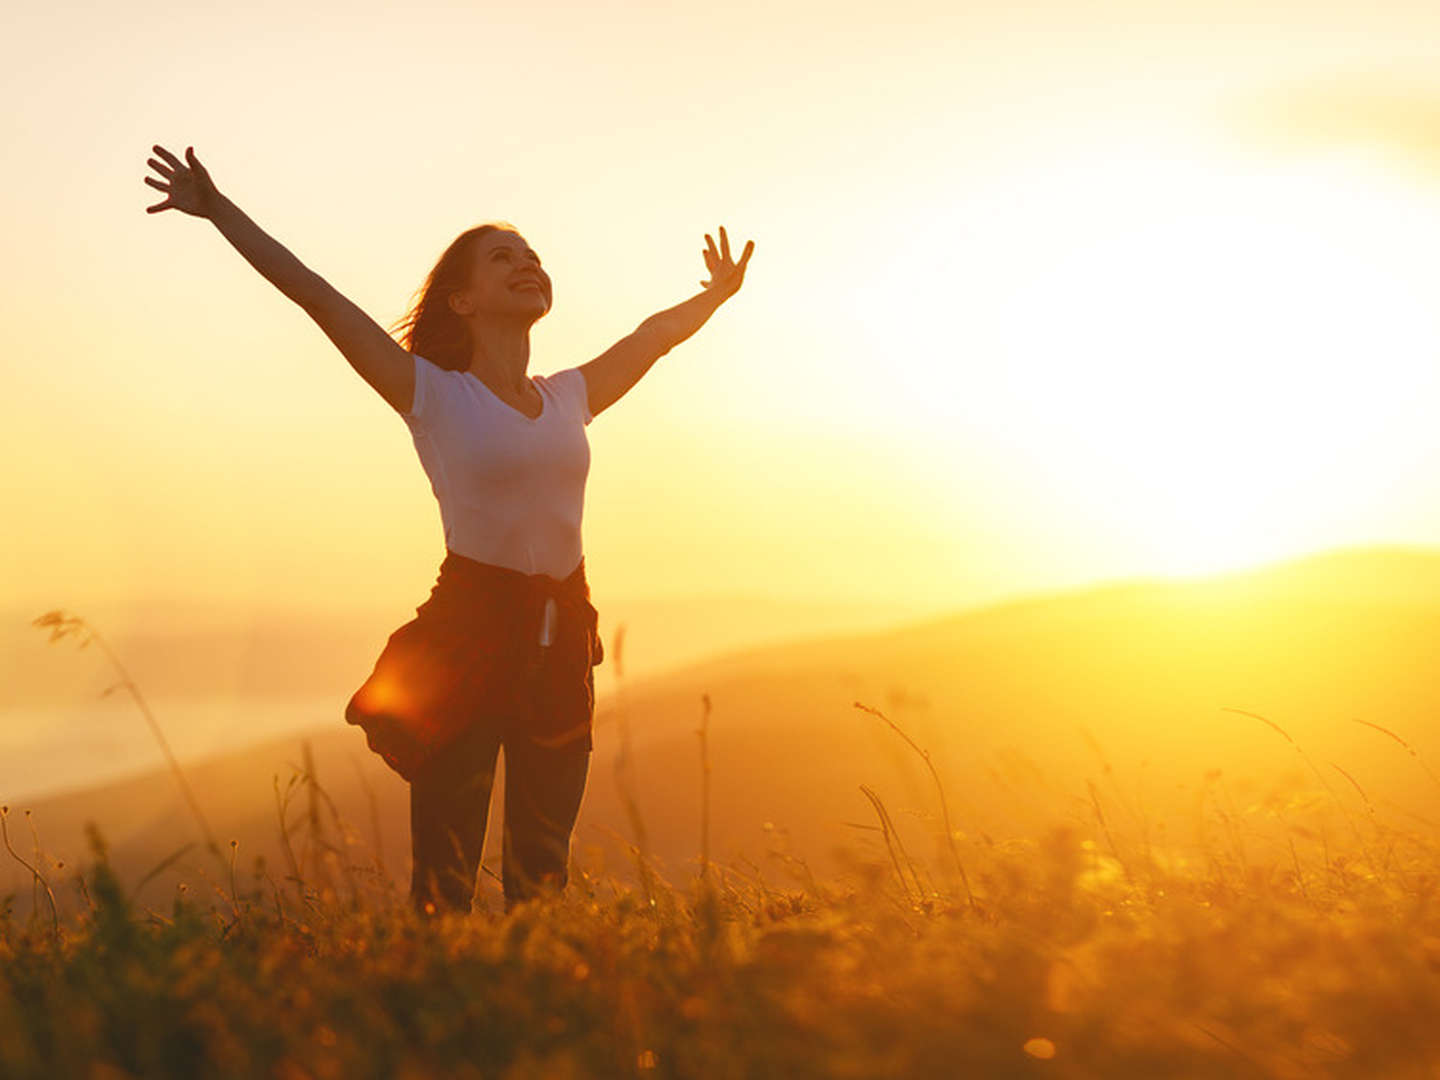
pixel 726 275
pixel 186 184
pixel 611 374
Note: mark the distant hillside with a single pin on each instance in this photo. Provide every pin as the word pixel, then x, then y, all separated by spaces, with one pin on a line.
pixel 1124 686
pixel 223 681
pixel 179 655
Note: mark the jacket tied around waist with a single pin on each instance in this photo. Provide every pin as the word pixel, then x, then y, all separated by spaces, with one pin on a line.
pixel 491 645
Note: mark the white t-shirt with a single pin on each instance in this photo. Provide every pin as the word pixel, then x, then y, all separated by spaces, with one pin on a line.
pixel 511 489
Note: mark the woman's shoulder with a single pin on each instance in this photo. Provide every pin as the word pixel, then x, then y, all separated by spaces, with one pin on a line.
pixel 567 386
pixel 434 385
pixel 431 368
pixel 445 380
pixel 557 380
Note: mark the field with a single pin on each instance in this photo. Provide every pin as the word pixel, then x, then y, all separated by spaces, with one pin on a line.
pixel 817 889
pixel 1075 954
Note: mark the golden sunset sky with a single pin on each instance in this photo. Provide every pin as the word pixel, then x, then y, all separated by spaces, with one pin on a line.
pixel 1044 293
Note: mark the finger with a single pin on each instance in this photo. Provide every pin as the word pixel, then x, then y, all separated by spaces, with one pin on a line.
pixel 194 161
pixel 163 170
pixel 158 207
pixel 724 245
pixel 170 158
pixel 158 185
pixel 745 255
pixel 710 246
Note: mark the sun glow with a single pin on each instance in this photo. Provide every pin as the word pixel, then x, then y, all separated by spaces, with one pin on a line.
pixel 1211 362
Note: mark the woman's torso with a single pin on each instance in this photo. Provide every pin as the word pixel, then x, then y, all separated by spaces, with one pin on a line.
pixel 511 488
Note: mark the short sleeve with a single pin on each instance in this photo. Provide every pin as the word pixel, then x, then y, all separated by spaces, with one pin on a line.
pixel 426 393
pixel 570 387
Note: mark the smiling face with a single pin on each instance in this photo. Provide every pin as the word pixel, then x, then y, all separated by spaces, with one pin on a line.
pixel 506 281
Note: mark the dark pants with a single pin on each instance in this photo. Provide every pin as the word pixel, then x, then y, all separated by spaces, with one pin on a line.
pixel 449 805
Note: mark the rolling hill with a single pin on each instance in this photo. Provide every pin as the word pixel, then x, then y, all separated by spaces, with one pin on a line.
pixel 1128 700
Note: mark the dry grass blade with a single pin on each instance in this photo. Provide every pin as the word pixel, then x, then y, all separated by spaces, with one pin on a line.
pixel 282 807
pixel 62 625
pixel 887 831
pixel 39 877
pixel 1386 731
pixel 1264 720
pixel 1355 784
pixel 1408 748
pixel 1233 1049
pixel 234 890
pixel 1345 810
pixel 939 788
pixel 374 807
pixel 1105 825
pixel 624 769
pixel 704 733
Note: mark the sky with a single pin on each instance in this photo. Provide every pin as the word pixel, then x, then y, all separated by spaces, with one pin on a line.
pixel 1043 293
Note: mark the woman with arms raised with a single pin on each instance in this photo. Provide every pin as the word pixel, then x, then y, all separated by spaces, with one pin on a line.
pixel 501 654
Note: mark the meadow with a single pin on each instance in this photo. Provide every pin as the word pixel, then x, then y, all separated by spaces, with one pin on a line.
pixel 958 914
pixel 1081 953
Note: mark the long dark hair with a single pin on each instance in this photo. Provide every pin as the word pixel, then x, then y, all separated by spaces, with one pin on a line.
pixel 430 329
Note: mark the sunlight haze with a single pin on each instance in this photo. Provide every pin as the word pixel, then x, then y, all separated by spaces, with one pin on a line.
pixel 1018 601
pixel 1043 295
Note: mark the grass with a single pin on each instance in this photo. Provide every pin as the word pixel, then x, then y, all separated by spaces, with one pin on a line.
pixel 1091 950
pixel 1064 966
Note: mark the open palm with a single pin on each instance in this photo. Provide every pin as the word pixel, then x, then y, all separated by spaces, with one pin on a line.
pixel 186 184
pixel 726 275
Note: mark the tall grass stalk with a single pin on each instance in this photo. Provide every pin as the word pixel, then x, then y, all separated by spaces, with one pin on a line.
pixel 234 889
pixel 313 820
pixel 1349 817
pixel 704 732
pixel 35 872
pixel 1408 749
pixel 624 772
pixel 282 807
pixel 382 872
pixel 939 788
pixel 1299 875
pixel 61 626
pixel 1105 827
pixel 892 838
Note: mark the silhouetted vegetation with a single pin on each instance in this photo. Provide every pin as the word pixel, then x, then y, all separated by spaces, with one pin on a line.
pixel 1088 951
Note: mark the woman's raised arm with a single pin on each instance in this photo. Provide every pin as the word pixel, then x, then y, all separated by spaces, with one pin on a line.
pixel 372 352
pixel 618 368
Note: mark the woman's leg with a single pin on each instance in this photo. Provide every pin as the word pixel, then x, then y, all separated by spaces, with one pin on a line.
pixel 449 804
pixel 543 789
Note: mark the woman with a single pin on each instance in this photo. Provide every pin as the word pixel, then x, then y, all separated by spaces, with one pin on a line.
pixel 502 652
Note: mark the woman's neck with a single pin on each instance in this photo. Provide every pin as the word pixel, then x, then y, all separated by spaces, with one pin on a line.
pixel 501 356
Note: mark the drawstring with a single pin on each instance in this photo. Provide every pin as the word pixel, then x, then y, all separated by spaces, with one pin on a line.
pixel 544 606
